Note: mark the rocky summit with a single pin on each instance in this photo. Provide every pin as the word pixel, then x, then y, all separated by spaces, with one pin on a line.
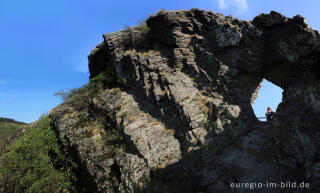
pixel 169 107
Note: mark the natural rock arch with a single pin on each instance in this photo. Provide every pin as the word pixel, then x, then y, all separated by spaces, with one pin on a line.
pixel 270 95
pixel 183 106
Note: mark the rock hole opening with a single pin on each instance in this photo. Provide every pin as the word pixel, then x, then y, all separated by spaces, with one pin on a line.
pixel 269 95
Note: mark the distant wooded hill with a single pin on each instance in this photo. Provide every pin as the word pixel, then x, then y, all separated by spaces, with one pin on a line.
pixel 8 120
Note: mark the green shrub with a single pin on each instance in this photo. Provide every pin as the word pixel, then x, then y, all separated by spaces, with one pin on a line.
pixel 31 163
pixel 142 27
pixel 106 79
pixel 70 93
pixel 83 96
pixel 79 98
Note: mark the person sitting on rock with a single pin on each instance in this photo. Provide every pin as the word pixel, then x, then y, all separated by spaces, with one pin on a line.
pixel 269 114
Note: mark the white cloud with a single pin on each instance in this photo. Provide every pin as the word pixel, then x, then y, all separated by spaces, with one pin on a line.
pixel 240 5
pixel 221 3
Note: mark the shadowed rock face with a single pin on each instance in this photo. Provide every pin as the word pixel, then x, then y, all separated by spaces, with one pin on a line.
pixel 183 109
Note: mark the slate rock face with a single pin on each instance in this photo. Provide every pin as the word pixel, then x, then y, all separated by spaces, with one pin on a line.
pixel 181 111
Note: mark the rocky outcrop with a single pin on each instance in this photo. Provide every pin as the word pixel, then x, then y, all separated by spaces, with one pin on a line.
pixel 178 116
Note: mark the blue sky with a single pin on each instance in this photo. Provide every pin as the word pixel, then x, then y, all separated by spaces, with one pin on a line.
pixel 44 44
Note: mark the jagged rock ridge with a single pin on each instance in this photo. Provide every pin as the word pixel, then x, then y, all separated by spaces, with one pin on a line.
pixel 180 109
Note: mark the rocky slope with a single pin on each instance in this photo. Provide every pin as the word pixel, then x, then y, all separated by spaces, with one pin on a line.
pixel 174 113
